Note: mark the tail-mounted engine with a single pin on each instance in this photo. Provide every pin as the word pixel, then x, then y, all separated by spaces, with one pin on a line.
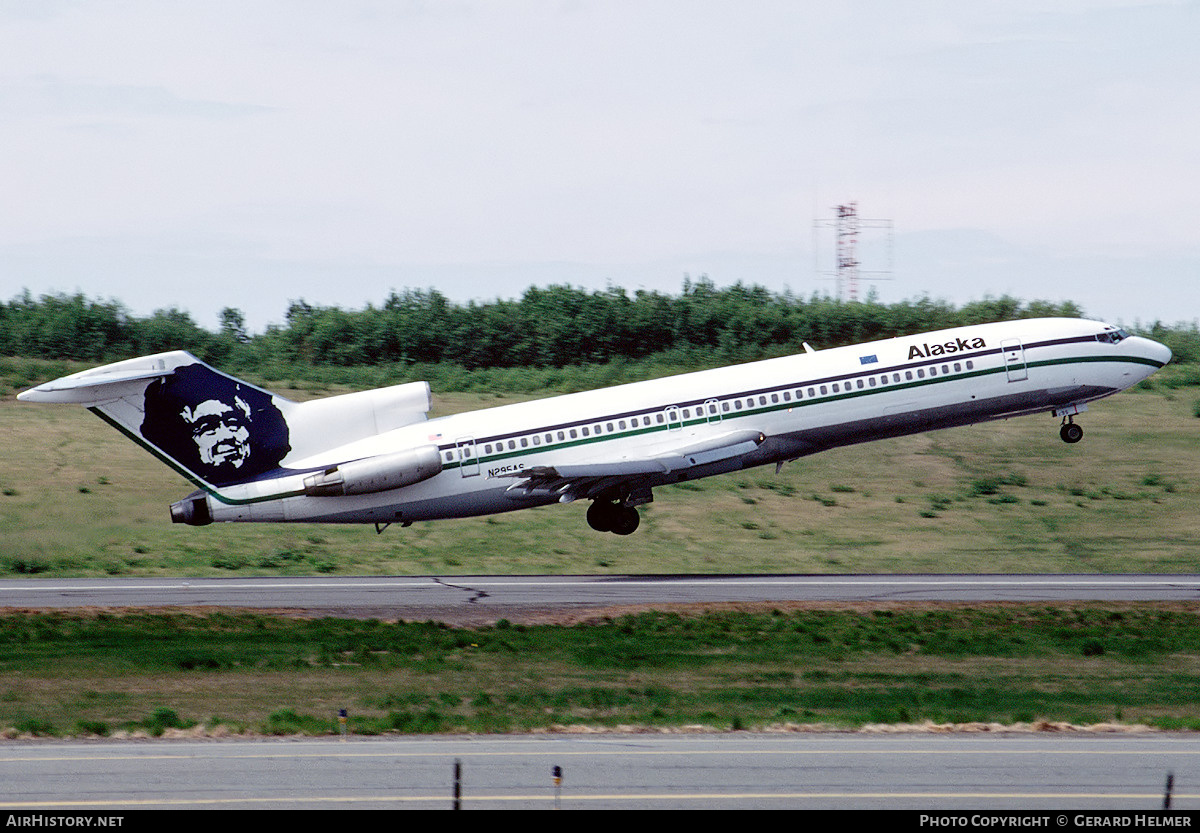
pixel 376 474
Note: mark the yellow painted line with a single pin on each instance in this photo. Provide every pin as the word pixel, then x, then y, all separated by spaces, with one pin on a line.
pixel 649 797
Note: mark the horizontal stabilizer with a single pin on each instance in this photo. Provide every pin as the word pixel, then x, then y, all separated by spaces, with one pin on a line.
pixel 104 384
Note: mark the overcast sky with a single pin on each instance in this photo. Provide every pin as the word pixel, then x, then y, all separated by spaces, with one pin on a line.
pixel 252 152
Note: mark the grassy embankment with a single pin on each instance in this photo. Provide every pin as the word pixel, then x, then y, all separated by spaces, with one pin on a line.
pixel 1082 664
pixel 76 498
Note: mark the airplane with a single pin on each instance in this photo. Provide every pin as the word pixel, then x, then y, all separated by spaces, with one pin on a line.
pixel 376 457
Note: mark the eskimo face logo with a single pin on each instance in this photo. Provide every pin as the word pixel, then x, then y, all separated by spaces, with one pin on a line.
pixel 214 426
pixel 221 432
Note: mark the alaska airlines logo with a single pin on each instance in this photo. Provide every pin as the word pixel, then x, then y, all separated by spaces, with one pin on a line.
pixel 926 351
pixel 216 428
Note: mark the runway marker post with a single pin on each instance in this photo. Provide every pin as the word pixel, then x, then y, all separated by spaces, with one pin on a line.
pixel 457 784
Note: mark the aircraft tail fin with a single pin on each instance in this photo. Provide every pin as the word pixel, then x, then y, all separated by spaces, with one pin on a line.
pixel 212 428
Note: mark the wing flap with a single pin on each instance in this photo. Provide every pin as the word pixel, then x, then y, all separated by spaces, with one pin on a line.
pixel 575 480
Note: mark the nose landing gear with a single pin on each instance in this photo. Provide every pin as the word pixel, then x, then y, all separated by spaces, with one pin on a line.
pixel 1070 432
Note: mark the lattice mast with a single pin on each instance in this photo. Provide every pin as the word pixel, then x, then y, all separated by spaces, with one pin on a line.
pixel 848 229
pixel 847 250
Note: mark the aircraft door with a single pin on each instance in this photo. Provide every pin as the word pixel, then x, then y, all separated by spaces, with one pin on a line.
pixel 712 410
pixel 1014 359
pixel 674 418
pixel 468 460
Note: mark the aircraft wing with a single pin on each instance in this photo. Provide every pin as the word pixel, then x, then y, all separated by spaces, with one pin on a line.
pixel 587 478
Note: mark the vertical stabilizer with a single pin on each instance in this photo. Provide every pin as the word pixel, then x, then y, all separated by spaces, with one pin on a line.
pixel 214 429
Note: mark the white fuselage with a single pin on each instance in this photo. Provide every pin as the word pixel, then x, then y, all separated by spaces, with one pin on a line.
pixel 800 404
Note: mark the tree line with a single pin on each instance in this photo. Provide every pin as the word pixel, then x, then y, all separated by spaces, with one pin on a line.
pixel 550 327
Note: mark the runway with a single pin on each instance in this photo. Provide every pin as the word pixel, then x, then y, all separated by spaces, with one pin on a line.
pixel 736 771
pixel 479 599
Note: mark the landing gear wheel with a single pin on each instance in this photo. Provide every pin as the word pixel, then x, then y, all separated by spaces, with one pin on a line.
pixel 1070 432
pixel 602 515
pixel 626 520
pixel 610 516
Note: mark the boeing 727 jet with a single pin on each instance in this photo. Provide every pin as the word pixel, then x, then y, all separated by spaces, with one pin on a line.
pixel 376 457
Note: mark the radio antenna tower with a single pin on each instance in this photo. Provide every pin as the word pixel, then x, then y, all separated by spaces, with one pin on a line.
pixel 847 226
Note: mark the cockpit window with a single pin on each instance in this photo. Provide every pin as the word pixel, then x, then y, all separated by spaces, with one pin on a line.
pixel 1112 336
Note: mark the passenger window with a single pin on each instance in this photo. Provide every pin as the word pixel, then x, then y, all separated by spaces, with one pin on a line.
pixel 871 381
pixel 957 367
pixel 836 389
pixel 860 384
pixel 908 375
pixel 561 436
pixel 787 396
pixel 824 390
pixel 537 440
pixel 970 365
pixel 920 373
pixel 524 442
pixel 659 417
pixel 574 434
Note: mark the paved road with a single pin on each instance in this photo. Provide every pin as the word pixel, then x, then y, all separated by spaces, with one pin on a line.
pixel 471 599
pixel 915 772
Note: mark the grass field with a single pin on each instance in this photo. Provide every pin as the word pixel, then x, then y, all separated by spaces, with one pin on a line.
pixel 78 499
pixel 803 669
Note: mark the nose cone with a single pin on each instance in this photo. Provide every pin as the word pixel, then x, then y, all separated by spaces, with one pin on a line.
pixel 1150 350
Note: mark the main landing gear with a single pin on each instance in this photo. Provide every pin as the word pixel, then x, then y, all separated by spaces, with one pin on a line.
pixel 611 516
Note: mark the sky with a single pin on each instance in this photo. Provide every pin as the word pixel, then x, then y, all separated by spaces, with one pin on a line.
pixel 251 153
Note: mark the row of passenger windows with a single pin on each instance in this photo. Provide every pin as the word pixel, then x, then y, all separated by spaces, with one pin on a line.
pixel 709 409
pixel 596 430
